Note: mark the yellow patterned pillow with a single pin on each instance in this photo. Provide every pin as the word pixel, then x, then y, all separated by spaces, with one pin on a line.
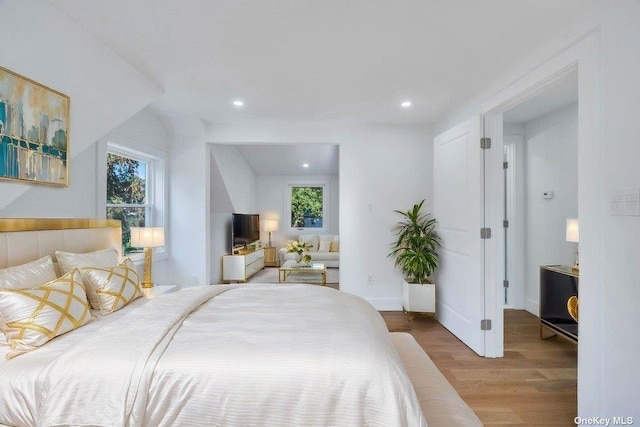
pixel 114 287
pixel 31 317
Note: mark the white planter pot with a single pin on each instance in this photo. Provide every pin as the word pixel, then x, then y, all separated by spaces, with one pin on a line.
pixel 418 298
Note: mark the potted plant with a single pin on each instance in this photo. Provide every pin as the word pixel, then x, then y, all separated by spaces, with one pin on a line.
pixel 415 254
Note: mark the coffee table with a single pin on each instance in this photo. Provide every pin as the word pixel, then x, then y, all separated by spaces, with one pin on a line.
pixel 314 268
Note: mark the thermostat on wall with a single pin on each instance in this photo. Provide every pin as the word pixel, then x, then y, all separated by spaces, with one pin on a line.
pixel 547 194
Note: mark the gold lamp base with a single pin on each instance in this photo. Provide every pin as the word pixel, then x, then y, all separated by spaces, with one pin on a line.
pixel 146 281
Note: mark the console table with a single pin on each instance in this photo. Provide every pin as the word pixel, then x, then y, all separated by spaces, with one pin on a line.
pixel 557 284
pixel 240 266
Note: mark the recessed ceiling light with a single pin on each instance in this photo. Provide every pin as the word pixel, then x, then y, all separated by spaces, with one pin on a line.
pixel 305 165
pixel 238 103
pixel 406 104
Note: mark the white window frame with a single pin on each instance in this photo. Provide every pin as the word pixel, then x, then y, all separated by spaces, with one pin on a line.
pixel 325 205
pixel 155 194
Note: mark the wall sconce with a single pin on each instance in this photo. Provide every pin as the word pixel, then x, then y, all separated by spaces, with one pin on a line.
pixel 270 225
pixel 147 238
pixel 573 235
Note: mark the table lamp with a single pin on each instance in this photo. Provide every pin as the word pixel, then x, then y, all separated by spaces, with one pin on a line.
pixel 270 225
pixel 573 235
pixel 147 238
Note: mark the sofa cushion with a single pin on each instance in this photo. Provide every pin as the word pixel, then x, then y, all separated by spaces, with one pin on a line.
pixel 335 246
pixel 324 246
pixel 310 239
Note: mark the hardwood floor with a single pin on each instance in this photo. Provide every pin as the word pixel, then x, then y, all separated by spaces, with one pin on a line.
pixel 534 384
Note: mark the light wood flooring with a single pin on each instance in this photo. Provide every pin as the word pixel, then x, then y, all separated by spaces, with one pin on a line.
pixel 534 384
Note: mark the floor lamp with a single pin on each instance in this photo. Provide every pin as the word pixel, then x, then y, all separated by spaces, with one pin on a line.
pixel 147 238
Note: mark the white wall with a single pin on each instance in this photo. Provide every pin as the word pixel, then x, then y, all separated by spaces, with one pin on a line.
pixel 551 153
pixel 239 179
pixel 232 189
pixel 104 91
pixel 605 48
pixel 382 168
pixel 273 194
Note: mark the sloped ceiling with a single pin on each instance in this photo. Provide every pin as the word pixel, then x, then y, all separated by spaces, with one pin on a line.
pixel 315 60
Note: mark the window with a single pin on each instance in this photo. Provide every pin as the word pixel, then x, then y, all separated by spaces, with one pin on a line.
pixel 133 180
pixel 307 206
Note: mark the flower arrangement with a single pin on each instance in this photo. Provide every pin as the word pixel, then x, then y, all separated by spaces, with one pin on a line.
pixel 300 248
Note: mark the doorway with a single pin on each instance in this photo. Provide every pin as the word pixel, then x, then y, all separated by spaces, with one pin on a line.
pixel 540 149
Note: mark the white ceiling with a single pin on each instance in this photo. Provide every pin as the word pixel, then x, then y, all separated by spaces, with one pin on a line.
pixel 288 159
pixel 312 60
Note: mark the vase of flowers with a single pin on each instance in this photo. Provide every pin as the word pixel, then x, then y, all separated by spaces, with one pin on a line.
pixel 299 249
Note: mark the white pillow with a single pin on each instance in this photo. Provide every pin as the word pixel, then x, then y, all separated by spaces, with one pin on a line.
pixel 113 287
pixel 102 258
pixel 310 239
pixel 324 247
pixel 29 275
pixel 31 317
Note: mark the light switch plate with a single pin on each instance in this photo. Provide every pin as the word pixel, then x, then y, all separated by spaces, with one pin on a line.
pixel 616 202
pixel 632 201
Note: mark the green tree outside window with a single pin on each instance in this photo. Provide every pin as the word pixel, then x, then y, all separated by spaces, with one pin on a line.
pixel 307 207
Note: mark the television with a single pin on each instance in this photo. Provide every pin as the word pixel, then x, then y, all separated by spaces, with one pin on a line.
pixel 245 229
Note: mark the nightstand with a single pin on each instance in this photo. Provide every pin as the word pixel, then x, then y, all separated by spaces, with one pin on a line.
pixel 158 290
pixel 271 257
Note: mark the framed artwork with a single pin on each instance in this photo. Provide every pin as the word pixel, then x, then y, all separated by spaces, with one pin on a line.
pixel 34 131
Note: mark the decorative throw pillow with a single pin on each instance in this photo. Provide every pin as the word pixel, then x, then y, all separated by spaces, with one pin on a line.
pixel 311 239
pixel 335 246
pixel 29 275
pixel 114 287
pixel 104 258
pixel 324 247
pixel 31 317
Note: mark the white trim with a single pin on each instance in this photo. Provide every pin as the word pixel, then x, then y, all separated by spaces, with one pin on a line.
pixel 585 55
pixel 156 186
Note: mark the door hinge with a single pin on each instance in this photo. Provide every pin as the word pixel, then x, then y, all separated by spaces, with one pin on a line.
pixel 485 324
pixel 505 283
pixel 505 165
pixel 505 223
pixel 485 143
pixel 485 233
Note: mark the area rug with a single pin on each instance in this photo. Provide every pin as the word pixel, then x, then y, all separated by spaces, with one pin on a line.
pixel 270 275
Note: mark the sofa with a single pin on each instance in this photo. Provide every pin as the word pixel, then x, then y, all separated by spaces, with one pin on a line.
pixel 325 248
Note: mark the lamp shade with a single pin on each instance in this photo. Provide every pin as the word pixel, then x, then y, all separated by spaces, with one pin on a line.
pixel 573 230
pixel 270 225
pixel 147 237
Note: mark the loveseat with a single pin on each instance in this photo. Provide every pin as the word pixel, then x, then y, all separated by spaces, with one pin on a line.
pixel 325 248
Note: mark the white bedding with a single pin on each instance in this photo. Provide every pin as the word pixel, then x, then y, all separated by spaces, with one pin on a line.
pixel 252 355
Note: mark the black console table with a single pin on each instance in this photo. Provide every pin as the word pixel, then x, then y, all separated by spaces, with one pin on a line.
pixel 557 284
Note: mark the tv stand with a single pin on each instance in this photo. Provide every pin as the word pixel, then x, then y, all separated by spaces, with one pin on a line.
pixel 241 265
pixel 557 284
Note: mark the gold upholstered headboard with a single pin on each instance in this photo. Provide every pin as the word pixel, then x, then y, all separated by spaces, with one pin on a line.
pixel 27 239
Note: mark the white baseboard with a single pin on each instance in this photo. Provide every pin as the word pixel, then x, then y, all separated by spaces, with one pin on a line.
pixel 532 307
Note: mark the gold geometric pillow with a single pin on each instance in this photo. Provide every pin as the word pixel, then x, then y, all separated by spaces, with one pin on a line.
pixel 114 287
pixel 31 317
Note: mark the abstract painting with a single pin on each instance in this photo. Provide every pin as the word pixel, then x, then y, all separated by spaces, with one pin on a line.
pixel 34 131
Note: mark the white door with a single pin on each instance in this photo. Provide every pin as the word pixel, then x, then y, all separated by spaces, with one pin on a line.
pixel 458 208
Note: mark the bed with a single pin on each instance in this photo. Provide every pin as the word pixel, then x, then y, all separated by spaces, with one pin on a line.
pixel 261 354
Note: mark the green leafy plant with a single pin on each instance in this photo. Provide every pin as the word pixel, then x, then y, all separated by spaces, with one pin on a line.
pixel 416 245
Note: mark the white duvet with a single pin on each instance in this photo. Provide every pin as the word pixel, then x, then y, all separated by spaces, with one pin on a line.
pixel 268 355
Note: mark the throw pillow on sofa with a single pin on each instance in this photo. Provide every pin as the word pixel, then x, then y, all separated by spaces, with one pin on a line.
pixel 310 239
